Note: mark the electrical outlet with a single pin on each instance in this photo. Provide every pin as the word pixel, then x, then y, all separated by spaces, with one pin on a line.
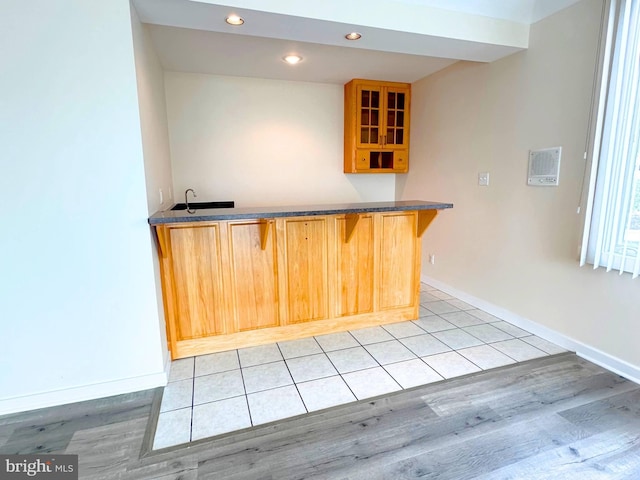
pixel 483 179
pixel 432 258
pixel 161 196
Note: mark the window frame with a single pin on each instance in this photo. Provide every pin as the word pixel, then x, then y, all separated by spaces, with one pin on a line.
pixel 602 225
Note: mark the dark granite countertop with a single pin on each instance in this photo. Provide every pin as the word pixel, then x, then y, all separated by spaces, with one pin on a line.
pixel 211 214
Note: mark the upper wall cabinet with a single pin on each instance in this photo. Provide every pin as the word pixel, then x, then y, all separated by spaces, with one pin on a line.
pixel 376 126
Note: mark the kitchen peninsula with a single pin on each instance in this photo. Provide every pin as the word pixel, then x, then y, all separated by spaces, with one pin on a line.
pixel 240 277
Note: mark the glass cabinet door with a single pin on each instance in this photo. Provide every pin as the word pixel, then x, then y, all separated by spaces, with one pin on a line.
pixel 369 118
pixel 395 128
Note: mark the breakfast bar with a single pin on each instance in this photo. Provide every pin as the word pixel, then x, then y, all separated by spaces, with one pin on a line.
pixel 240 277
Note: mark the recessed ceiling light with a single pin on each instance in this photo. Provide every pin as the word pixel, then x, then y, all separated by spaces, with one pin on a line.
pixel 234 20
pixel 292 59
pixel 353 36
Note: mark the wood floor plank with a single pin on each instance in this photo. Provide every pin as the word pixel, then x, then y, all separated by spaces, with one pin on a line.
pixel 5 435
pixel 185 468
pixel 183 475
pixel 346 445
pixel 611 455
pixel 460 456
pixel 105 446
pixel 547 384
pixel 94 408
pixel 617 410
pixel 51 430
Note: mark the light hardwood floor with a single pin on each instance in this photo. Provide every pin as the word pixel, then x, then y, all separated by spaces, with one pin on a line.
pixel 558 417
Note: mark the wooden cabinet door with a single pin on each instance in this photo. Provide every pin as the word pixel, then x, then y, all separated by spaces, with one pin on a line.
pixel 369 115
pixel 396 117
pixel 382 115
pixel 253 274
pixel 302 268
pixel 400 161
pixel 362 160
pixel 354 255
pixel 197 286
pixel 397 282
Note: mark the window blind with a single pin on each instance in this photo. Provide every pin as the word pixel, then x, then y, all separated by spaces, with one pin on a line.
pixel 612 229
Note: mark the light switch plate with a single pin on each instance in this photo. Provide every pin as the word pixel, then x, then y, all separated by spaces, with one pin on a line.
pixel 483 179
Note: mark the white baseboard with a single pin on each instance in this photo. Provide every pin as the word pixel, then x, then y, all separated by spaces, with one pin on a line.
pixel 85 392
pixel 592 354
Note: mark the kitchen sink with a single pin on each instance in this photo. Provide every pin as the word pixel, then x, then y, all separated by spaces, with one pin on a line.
pixel 201 205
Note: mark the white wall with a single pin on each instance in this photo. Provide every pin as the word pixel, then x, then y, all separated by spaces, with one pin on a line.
pixel 79 312
pixel 509 244
pixel 155 143
pixel 153 118
pixel 262 142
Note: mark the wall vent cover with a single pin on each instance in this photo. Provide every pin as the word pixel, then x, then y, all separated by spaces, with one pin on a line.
pixel 544 167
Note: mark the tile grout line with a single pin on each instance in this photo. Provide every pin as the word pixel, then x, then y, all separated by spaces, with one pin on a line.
pixel 360 345
pixel 193 396
pixel 295 384
pixel 375 359
pixel 340 373
pixel 244 387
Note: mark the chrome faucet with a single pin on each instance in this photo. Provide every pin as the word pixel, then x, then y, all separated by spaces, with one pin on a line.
pixel 186 201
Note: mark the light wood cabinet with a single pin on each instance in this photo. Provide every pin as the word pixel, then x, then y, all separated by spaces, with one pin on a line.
pixel 376 123
pixel 253 274
pixel 398 282
pixel 355 246
pixel 302 256
pixel 239 283
pixel 195 268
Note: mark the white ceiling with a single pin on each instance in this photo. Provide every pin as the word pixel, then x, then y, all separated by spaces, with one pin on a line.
pixel 522 11
pixel 403 40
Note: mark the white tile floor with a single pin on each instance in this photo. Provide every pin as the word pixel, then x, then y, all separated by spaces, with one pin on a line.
pixel 214 394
